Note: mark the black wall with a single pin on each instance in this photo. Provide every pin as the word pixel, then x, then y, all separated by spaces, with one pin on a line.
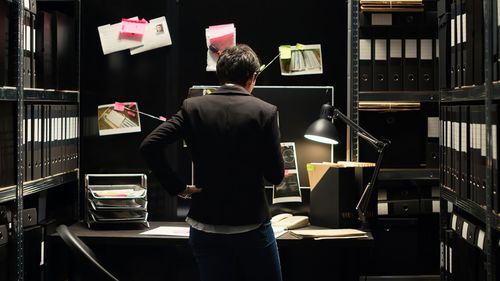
pixel 159 79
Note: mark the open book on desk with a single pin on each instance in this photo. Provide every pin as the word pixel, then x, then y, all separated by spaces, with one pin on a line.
pixel 299 227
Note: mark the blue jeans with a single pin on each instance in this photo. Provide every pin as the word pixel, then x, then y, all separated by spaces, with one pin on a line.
pixel 248 256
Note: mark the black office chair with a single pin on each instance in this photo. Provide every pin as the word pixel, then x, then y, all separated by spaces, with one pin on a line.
pixel 82 251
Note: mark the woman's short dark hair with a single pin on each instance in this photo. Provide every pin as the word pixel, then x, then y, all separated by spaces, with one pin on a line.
pixel 237 64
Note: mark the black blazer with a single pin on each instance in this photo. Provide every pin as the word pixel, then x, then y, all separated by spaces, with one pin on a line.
pixel 234 141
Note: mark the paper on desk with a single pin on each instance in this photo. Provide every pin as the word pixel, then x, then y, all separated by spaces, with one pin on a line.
pixel 181 231
pixel 327 232
pixel 110 38
pixel 155 36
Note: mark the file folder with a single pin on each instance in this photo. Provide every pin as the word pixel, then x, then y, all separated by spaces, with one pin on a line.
pixel 28 171
pixel 426 77
pixel 453 49
pixel 444 45
pixel 478 43
pixel 464 151
pixel 44 55
pixel 432 147
pixel 46 141
pixel 380 65
pixel 4 34
pixel 365 65
pixel 467 46
pixel 37 142
pixel 459 33
pixel 395 71
pixel 494 144
pixel 435 59
pixel 410 66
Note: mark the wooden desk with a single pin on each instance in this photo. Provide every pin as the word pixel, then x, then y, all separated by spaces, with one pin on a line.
pixel 131 256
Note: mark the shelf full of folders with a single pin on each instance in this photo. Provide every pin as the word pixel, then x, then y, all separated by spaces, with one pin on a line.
pixel 40 95
pixel 116 199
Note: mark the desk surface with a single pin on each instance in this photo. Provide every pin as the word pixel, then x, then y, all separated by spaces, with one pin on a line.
pixel 106 235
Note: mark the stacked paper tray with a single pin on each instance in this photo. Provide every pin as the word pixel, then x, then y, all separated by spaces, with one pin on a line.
pixel 116 199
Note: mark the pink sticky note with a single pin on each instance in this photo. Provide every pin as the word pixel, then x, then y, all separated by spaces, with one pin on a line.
pixel 163 118
pixel 286 173
pixel 131 113
pixel 119 106
pixel 133 29
pixel 131 105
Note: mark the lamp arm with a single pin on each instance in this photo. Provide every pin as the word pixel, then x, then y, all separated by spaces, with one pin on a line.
pixel 367 192
pixel 377 144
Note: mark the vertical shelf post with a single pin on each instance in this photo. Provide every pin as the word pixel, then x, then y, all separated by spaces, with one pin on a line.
pixel 18 219
pixel 490 221
pixel 352 78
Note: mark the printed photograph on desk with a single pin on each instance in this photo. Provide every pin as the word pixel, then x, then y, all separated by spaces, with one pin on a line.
pixel 289 189
pixel 300 59
pixel 113 120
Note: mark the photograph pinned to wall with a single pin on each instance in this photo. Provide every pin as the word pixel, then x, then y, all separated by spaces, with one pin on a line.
pixel 289 188
pixel 112 121
pixel 300 59
pixel 156 35
pixel 218 37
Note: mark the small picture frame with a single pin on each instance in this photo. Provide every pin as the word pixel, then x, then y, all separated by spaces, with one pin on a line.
pixel 111 121
pixel 301 60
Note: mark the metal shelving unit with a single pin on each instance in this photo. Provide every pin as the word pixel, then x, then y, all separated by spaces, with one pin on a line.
pixel 408 174
pixel 9 193
pixel 399 96
pixel 22 96
pixel 40 95
pixel 479 94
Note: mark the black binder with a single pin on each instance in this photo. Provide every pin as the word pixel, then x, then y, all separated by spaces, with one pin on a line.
pixel 365 65
pixel 44 54
pixel 478 43
pixel 432 146
pixel 395 68
pixel 37 144
pixel 65 54
pixel 28 165
pixel 496 43
pixel 494 141
pixel 453 49
pixel 435 57
pixel 464 151
pixel 4 34
pixel 426 76
pixel 410 65
pixel 380 65
pixel 46 141
pixel 467 45
pixel 459 33
pixel 444 43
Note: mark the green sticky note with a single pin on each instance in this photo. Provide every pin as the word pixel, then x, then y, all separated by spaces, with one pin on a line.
pixel 299 46
pixel 262 67
pixel 285 52
pixel 310 167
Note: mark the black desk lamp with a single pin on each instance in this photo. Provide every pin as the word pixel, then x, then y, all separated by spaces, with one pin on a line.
pixel 323 130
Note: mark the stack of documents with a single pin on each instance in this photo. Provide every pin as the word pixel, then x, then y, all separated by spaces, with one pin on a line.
pixel 392 5
pixel 320 233
pixel 219 37
pixel 116 203
pixel 155 35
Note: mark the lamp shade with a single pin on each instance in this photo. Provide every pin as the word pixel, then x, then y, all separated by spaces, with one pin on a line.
pixel 322 130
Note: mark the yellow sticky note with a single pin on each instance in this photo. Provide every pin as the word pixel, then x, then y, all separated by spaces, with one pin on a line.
pixel 310 167
pixel 299 46
pixel 285 52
